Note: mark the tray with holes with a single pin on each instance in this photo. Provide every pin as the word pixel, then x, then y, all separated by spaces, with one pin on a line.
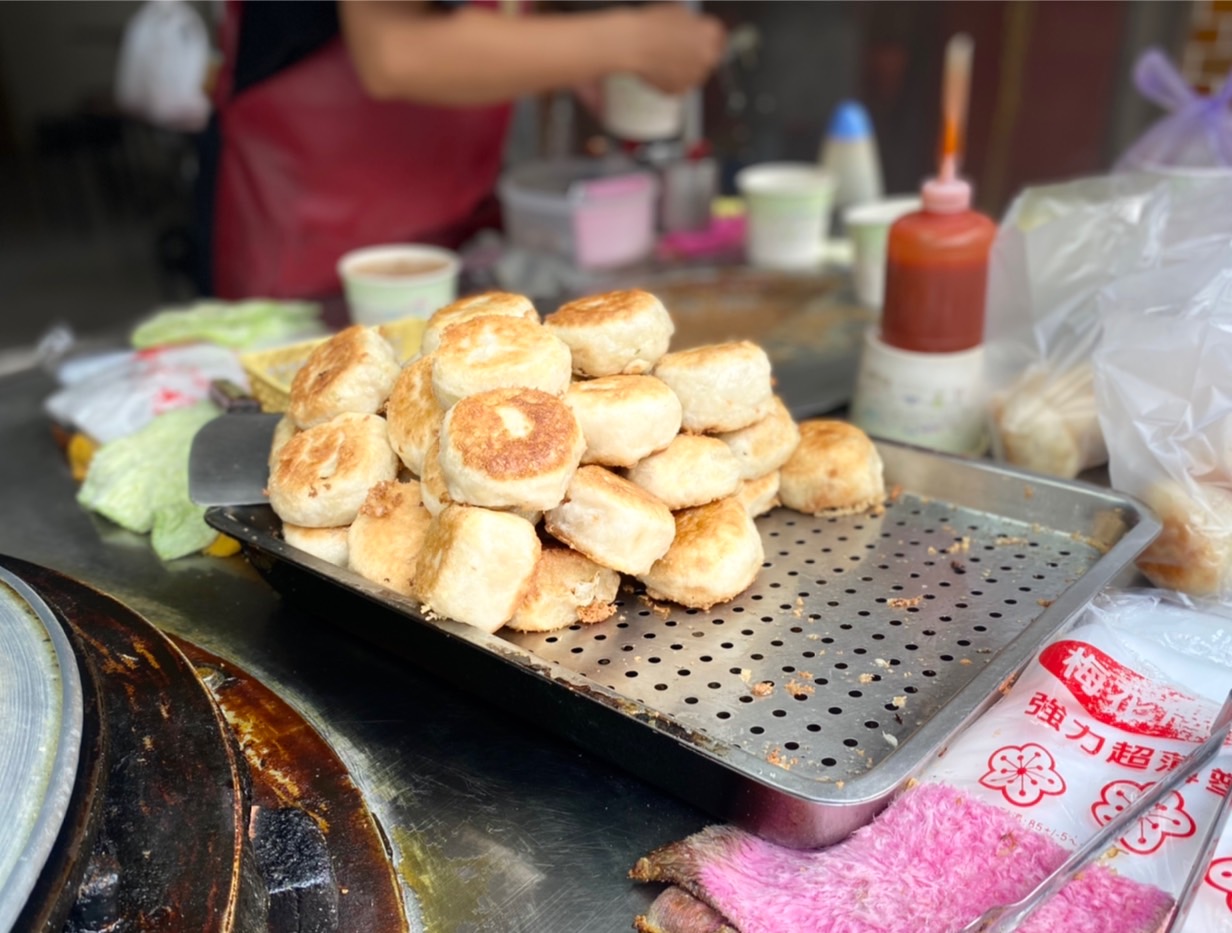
pixel 800 708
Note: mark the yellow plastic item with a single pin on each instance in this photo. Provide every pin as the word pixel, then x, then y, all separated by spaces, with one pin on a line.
pixel 727 207
pixel 270 372
pixel 223 546
pixel 80 452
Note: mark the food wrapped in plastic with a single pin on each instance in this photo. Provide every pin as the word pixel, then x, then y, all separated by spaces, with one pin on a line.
pixel 1161 377
pixel 1193 552
pixel 1047 421
pixel 1056 248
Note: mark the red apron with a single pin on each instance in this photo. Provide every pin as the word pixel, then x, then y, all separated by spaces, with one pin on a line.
pixel 311 167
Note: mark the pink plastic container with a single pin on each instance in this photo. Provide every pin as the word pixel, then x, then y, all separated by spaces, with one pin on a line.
pixel 597 214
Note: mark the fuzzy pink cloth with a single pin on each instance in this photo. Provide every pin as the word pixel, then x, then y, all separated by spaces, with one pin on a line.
pixel 933 861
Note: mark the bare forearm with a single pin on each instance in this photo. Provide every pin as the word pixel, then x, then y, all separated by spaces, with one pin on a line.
pixel 473 56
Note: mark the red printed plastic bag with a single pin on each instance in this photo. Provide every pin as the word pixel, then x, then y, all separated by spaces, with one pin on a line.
pixel 1104 710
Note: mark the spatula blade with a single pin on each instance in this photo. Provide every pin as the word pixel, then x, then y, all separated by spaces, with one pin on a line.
pixel 229 460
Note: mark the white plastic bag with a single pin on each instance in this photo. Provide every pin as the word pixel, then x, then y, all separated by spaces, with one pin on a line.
pixel 1102 713
pixel 1057 246
pixel 128 390
pixel 1163 380
pixel 164 59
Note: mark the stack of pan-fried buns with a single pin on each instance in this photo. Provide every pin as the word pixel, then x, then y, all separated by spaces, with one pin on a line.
pixel 513 470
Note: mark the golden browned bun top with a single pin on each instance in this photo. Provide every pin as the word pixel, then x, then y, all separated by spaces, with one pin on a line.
pixel 329 361
pixel 486 304
pixel 835 469
pixel 838 449
pixel 513 433
pixel 388 496
pixel 822 433
pixel 711 524
pixel 610 306
pixel 622 387
pixel 492 302
pixel 724 353
pixel 499 336
pixel 335 448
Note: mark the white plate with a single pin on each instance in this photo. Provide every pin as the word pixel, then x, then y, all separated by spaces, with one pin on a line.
pixel 40 738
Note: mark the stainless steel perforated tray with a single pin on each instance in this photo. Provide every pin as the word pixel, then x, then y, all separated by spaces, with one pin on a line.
pixel 798 709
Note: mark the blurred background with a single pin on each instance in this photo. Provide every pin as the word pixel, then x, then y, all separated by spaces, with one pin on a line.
pixel 96 209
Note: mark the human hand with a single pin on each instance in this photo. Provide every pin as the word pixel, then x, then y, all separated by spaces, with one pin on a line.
pixel 674 48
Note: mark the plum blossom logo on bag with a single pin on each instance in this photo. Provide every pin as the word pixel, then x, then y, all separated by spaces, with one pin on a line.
pixel 1219 877
pixel 1167 818
pixel 1023 774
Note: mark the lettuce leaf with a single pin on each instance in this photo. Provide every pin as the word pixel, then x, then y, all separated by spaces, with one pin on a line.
pixel 240 325
pixel 140 482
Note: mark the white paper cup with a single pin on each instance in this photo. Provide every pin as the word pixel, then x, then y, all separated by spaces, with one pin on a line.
pixel 933 400
pixel 634 110
pixel 788 206
pixel 868 227
pixel 386 283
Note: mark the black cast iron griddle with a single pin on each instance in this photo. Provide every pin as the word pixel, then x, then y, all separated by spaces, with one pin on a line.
pixel 201 800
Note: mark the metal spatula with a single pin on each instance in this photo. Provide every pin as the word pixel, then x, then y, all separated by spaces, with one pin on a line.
pixel 1007 917
pixel 228 461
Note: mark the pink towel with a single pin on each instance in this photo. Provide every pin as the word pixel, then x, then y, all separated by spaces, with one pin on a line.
pixel 934 860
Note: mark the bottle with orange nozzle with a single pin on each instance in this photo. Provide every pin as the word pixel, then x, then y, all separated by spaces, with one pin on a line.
pixel 921 376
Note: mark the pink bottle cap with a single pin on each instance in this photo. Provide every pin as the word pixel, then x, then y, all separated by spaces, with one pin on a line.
pixel 946 196
pixel 947 193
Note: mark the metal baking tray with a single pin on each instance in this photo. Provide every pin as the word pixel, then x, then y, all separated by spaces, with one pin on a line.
pixel 799 709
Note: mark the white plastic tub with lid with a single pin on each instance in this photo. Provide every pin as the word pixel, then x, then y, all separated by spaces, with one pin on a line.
pixel 597 214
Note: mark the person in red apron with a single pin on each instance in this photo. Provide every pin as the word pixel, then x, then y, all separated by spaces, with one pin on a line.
pixel 344 125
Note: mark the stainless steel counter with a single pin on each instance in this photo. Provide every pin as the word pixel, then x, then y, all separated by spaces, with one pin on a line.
pixel 496 826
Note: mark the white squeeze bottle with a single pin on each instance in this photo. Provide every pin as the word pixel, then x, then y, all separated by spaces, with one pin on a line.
pixel 849 154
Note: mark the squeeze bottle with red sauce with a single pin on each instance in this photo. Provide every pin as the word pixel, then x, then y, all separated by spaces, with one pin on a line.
pixel 936 272
pixel 921 373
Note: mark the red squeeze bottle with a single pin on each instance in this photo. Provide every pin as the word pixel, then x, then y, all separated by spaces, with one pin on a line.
pixel 937 258
pixel 936 271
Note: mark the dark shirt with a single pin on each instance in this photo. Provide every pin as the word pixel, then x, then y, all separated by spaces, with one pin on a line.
pixel 275 34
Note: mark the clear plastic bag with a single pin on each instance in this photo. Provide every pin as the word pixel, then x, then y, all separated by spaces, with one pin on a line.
pixel 1102 712
pixel 1056 248
pixel 1165 407
pixel 1197 132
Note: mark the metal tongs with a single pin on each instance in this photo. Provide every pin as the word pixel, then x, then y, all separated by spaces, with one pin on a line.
pixel 1007 917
